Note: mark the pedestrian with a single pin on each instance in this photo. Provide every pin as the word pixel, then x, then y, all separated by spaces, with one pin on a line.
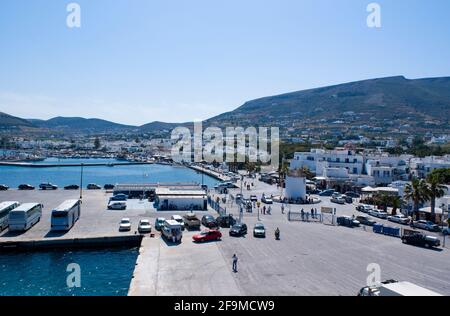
pixel 282 208
pixel 312 213
pixel 235 261
pixel 303 215
pixel 269 211
pixel 264 210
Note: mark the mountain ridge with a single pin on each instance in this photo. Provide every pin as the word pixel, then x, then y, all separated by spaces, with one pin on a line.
pixel 380 98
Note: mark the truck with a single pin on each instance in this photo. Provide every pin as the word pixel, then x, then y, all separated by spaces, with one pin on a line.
pixel 395 288
pixel 191 221
pixel 172 231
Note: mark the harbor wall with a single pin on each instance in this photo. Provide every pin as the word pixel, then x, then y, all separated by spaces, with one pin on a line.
pixel 95 242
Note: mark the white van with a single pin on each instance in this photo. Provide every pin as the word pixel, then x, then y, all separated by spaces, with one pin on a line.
pixel 172 231
pixel 5 209
pixel 25 216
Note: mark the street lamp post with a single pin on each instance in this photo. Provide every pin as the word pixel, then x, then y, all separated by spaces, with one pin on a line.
pixel 81 182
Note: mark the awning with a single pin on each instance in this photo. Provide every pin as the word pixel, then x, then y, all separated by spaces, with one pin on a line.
pixel 437 210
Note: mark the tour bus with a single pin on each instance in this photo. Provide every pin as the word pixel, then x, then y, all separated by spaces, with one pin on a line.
pixel 65 215
pixel 24 216
pixel 5 208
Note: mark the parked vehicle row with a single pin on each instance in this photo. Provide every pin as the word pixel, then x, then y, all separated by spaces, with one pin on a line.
pixel 50 186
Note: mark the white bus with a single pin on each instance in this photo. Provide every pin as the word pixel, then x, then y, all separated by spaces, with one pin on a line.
pixel 5 208
pixel 25 216
pixel 65 215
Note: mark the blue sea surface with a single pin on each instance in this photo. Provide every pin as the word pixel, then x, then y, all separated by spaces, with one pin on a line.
pixel 62 176
pixel 103 272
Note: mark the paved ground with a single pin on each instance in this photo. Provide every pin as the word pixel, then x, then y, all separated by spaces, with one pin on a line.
pixel 96 220
pixel 310 258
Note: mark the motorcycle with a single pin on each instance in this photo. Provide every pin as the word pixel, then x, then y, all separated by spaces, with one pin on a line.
pixel 277 234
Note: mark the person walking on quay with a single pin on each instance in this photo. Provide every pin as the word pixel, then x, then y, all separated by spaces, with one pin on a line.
pixel 312 213
pixel 235 261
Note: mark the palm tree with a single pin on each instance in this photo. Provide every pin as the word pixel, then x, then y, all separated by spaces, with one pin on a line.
pixel 436 190
pixel 383 200
pixel 397 203
pixel 418 192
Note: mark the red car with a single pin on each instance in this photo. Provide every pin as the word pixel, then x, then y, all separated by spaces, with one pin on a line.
pixel 208 235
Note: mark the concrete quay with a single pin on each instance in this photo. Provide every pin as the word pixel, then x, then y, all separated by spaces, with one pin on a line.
pixel 211 173
pixel 310 258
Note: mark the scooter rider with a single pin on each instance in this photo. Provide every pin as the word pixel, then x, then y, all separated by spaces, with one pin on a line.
pixel 277 233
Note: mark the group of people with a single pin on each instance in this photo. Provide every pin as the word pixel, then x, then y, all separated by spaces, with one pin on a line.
pixel 306 215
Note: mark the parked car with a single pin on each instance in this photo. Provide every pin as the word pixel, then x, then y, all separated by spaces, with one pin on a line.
pixel 427 225
pixel 93 186
pixel 117 206
pixel 352 194
pixel 180 220
pixel 238 230
pixel 208 235
pixel 125 225
pixel 266 200
pixel 159 223
pixel 239 198
pixel 399 218
pixel 378 214
pixel 48 186
pixel 348 199
pixel 259 230
pixel 364 208
pixel 26 187
pixel 108 186
pixel 347 221
pixel 326 193
pixel 338 200
pixel 253 198
pixel 71 187
pixel 225 221
pixel 3 187
pixel 365 220
pixel 446 231
pixel 119 197
pixel 191 221
pixel 209 221
pixel 421 240
pixel 144 226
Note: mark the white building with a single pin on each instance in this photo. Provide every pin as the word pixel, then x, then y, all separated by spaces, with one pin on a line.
pixel 386 169
pixel 180 199
pixel 318 160
pixel 422 167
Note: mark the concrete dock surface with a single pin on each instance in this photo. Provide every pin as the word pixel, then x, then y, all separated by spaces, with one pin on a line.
pixel 310 258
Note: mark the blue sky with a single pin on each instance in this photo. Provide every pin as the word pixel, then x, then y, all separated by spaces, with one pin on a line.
pixel 137 61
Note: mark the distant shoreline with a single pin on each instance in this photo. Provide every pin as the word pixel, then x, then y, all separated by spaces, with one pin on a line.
pixel 57 165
